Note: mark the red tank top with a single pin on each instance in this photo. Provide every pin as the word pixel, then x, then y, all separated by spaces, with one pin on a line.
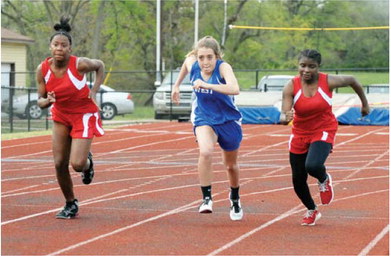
pixel 313 114
pixel 71 90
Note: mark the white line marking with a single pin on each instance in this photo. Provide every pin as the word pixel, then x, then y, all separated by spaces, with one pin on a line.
pixel 152 143
pixel 278 218
pixel 165 214
pixel 383 133
pixel 373 243
pixel 292 211
pixel 177 210
pixel 359 137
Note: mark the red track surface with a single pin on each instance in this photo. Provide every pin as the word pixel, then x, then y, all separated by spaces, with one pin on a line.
pixel 145 195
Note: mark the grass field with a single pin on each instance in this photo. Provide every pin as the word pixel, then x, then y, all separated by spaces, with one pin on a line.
pixel 247 80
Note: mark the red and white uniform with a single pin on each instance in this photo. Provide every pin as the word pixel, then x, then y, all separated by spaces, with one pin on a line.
pixel 73 107
pixel 313 119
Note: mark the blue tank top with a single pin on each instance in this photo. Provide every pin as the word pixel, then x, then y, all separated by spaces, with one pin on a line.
pixel 211 107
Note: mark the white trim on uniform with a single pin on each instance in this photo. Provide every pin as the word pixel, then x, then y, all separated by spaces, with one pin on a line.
pixel 100 129
pixel 324 136
pixel 297 96
pixel 325 96
pixel 290 140
pixel 193 107
pixel 47 76
pixel 86 118
pixel 79 84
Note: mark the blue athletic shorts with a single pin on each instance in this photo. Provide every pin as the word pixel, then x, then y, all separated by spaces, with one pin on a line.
pixel 229 135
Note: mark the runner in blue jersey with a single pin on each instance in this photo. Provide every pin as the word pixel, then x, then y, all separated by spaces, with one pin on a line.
pixel 215 118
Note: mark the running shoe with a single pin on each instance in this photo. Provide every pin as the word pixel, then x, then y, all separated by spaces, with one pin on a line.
pixel 236 212
pixel 69 211
pixel 326 190
pixel 88 175
pixel 311 217
pixel 206 206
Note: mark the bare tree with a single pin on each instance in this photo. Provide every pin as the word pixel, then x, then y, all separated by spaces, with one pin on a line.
pixel 65 8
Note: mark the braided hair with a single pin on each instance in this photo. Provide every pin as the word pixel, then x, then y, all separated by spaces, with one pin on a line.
pixel 312 54
pixel 62 28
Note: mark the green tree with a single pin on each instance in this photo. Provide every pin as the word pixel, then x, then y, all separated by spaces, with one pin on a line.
pixel 122 33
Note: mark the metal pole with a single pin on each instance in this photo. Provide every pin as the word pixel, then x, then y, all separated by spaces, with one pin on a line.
pixel 225 23
pixel 196 23
pixel 158 77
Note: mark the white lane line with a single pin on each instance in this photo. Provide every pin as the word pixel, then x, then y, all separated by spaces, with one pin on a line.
pixel 359 137
pixel 98 143
pixel 281 217
pixel 152 143
pixel 162 215
pixel 292 211
pixel 88 201
pixel 265 148
pixel 26 144
pixel 19 189
pixel 252 232
pixel 152 131
pixel 288 134
pixel 373 243
pixel 82 243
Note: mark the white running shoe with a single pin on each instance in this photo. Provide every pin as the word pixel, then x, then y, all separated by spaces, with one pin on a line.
pixel 206 206
pixel 236 212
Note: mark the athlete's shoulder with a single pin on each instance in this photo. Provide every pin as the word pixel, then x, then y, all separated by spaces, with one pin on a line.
pixel 44 65
pixel 190 61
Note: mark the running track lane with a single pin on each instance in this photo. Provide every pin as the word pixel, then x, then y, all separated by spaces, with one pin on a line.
pixel 145 196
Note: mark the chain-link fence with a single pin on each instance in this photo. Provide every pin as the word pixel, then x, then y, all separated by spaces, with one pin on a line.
pixel 133 95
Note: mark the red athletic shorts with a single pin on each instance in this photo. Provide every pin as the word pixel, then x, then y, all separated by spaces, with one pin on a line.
pixel 299 144
pixel 82 125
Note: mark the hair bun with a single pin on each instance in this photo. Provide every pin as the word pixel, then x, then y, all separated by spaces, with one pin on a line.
pixel 63 25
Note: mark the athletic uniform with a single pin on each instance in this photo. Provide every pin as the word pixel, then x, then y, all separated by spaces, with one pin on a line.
pixel 313 119
pixel 73 107
pixel 216 110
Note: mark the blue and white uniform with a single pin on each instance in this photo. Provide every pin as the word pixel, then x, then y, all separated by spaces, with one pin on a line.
pixel 216 110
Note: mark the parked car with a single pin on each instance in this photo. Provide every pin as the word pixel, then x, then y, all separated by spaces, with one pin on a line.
pixel 162 103
pixel 273 82
pixel 114 103
pixel 23 107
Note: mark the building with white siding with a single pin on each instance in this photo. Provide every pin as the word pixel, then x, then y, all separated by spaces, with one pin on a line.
pixel 13 58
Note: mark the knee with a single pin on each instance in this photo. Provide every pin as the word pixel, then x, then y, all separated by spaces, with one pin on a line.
pixel 206 153
pixel 299 178
pixel 313 167
pixel 78 165
pixel 231 167
pixel 61 165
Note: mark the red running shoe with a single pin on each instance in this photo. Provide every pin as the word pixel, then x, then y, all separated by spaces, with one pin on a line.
pixel 326 190
pixel 311 217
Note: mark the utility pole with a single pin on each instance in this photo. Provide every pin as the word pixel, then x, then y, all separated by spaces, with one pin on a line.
pixel 196 22
pixel 158 72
